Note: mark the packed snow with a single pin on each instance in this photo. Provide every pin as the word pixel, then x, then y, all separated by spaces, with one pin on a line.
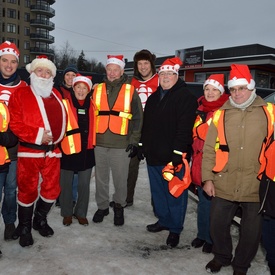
pixel 107 249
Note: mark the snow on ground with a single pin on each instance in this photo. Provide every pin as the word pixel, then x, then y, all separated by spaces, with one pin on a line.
pixel 106 249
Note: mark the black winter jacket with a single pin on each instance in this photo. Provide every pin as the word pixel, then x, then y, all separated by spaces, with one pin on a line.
pixel 267 196
pixel 168 123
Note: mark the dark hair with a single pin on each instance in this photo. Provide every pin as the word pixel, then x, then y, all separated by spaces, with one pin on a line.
pixel 144 55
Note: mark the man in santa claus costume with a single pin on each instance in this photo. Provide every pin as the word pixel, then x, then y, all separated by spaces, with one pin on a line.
pixel 38 118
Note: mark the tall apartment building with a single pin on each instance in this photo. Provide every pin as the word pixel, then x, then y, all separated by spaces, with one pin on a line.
pixel 27 24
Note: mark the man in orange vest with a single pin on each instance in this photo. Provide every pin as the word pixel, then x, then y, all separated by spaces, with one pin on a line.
pixel 229 171
pixel 9 82
pixel 38 118
pixel 118 127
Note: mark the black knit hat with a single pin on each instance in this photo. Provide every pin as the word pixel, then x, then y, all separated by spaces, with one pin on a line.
pixel 144 55
pixel 70 68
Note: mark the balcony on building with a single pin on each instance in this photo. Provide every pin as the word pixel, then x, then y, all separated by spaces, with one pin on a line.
pixel 39 51
pixel 43 9
pixel 42 23
pixel 42 37
pixel 51 2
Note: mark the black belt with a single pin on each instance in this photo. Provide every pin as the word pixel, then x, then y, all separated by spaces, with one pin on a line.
pixel 42 147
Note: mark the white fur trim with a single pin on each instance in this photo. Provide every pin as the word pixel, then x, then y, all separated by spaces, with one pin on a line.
pixel 39 136
pixel 83 79
pixel 10 51
pixel 41 62
pixel 237 81
pixel 116 61
pixel 214 83
pixel 174 68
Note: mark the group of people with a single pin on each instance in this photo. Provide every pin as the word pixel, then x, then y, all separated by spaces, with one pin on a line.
pixel 53 136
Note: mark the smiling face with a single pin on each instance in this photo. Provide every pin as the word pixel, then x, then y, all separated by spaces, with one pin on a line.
pixel 113 72
pixel 167 79
pixel 8 65
pixel 211 93
pixel 145 69
pixel 68 78
pixel 80 90
pixel 240 93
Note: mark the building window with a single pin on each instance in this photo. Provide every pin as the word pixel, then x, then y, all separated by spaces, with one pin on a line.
pixel 27 17
pixel 11 13
pixel 27 3
pixel 26 58
pixel 3 13
pixel 27 31
pixel 12 40
pixel 11 28
pixel 27 45
pixel 11 1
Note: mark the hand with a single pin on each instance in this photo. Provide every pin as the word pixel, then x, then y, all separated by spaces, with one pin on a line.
pixel 176 160
pixel 46 138
pixel 140 154
pixel 133 150
pixel 209 188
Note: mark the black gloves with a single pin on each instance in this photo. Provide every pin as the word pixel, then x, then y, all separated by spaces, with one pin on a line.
pixel 176 159
pixel 133 150
pixel 140 154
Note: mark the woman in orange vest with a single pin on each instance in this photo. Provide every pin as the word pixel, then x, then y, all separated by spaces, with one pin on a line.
pixel 213 98
pixel 65 88
pixel 7 139
pixel 78 158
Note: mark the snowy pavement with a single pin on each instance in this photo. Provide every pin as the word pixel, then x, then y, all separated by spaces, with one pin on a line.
pixel 106 249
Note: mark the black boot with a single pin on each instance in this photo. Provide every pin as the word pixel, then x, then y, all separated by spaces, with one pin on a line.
pixel 118 215
pixel 24 227
pixel 40 218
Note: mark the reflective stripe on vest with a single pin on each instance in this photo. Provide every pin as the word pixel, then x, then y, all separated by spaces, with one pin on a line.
pixel 200 128
pixel 71 143
pixel 4 122
pixel 267 155
pixel 221 146
pixel 116 119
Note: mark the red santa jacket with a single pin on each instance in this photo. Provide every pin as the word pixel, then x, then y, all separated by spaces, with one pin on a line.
pixel 31 115
pixel 6 91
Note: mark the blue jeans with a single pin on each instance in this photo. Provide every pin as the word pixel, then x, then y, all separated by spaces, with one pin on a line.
pixel 203 218
pixel 269 239
pixel 9 207
pixel 170 210
pixel 3 177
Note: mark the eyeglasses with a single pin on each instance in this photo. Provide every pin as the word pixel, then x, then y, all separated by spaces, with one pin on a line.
pixel 162 74
pixel 240 89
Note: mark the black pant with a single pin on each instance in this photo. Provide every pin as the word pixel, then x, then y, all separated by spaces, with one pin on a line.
pixel 222 213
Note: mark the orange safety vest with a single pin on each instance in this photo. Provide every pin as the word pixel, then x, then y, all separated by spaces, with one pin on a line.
pixel 71 143
pixel 267 155
pixel 221 147
pixel 200 128
pixel 4 122
pixel 116 119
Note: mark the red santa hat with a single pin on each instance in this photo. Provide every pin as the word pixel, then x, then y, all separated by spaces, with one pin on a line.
pixel 217 80
pixel 87 80
pixel 8 47
pixel 171 64
pixel 115 59
pixel 41 61
pixel 240 75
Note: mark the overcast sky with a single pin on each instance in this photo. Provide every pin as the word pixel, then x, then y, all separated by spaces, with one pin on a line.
pixel 161 26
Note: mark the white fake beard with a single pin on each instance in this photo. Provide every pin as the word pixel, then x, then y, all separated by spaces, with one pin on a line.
pixel 41 86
